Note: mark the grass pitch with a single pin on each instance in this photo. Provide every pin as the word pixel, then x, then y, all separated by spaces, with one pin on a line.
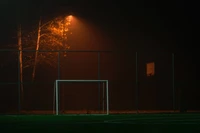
pixel 123 123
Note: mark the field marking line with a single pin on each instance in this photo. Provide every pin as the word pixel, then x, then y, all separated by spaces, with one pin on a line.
pixel 163 119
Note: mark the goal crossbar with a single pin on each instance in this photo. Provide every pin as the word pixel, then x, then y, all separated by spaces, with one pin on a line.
pixel 79 81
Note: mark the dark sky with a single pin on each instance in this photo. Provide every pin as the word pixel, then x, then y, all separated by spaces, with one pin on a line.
pixel 149 24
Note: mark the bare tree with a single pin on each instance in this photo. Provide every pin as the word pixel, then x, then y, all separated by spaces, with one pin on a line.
pixel 52 35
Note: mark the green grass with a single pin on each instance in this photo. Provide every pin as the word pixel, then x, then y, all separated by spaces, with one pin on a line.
pixel 134 123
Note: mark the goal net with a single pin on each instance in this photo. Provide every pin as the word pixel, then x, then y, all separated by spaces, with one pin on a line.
pixel 81 97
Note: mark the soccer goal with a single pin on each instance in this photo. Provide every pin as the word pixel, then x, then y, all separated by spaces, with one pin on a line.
pixel 102 85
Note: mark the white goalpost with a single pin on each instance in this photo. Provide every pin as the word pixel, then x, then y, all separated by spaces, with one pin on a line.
pixel 56 93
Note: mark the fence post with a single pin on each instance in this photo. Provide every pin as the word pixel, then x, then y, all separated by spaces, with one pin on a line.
pixel 136 80
pixel 173 86
pixel 99 85
pixel 19 84
pixel 58 64
pixel 58 86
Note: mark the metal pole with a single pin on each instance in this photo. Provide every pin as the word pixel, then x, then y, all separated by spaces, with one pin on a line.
pixel 57 97
pixel 54 96
pixel 107 97
pixel 58 64
pixel 136 79
pixel 19 84
pixel 57 86
pixel 173 82
pixel 99 85
pixel 103 97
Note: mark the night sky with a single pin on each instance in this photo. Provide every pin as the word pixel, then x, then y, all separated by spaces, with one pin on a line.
pixel 150 26
pixel 138 25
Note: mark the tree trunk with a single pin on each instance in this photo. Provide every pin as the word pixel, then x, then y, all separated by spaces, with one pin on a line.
pixel 20 60
pixel 37 48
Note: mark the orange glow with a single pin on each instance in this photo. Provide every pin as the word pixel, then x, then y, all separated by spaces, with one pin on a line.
pixel 60 27
pixel 150 69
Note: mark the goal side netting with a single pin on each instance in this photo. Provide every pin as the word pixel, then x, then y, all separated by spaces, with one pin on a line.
pixel 99 93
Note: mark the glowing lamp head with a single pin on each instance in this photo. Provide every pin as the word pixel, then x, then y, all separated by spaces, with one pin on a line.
pixel 69 18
